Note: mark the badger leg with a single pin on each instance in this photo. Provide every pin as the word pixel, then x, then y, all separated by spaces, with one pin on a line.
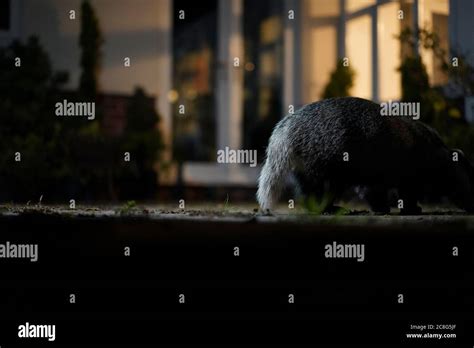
pixel 409 195
pixel 377 197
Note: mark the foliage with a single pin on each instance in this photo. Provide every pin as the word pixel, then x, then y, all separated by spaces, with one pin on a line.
pixel 143 140
pixel 316 206
pixel 415 80
pixel 90 41
pixel 439 110
pixel 69 156
pixel 28 124
pixel 128 207
pixel 323 205
pixel 341 81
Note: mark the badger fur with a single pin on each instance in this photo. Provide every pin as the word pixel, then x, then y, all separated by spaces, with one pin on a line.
pixel 335 144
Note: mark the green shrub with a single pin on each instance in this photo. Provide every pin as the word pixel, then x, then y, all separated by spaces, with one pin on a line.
pixel 340 83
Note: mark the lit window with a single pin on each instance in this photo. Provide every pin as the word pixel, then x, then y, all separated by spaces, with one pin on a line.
pixel 270 30
pixel 323 8
pixel 433 15
pixel 263 34
pixel 356 5
pixel 194 52
pixel 388 26
pixel 359 52
pixel 324 58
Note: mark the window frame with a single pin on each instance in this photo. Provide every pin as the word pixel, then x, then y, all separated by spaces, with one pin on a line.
pixel 340 21
pixel 14 31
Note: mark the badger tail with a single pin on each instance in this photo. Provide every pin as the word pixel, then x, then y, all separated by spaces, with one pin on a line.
pixel 278 164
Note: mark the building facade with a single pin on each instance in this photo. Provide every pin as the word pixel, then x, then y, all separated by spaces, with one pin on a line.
pixel 222 73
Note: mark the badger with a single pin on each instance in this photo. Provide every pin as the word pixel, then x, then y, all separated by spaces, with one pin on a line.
pixel 333 145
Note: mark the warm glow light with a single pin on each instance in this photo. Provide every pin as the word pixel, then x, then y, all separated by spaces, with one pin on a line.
pixel 359 52
pixel 270 30
pixel 268 64
pixel 356 5
pixel 191 93
pixel 173 96
pixel 388 26
pixel 324 58
pixel 249 66
pixel 431 13
pixel 323 8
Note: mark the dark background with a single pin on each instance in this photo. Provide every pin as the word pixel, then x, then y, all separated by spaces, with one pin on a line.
pixel 230 299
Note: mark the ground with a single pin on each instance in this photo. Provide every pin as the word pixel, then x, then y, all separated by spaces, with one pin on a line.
pixel 128 262
pixel 206 212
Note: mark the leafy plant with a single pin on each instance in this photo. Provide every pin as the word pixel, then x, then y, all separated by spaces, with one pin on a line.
pixel 28 125
pixel 341 81
pixel 439 110
pixel 90 41
pixel 128 207
pixel 143 140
